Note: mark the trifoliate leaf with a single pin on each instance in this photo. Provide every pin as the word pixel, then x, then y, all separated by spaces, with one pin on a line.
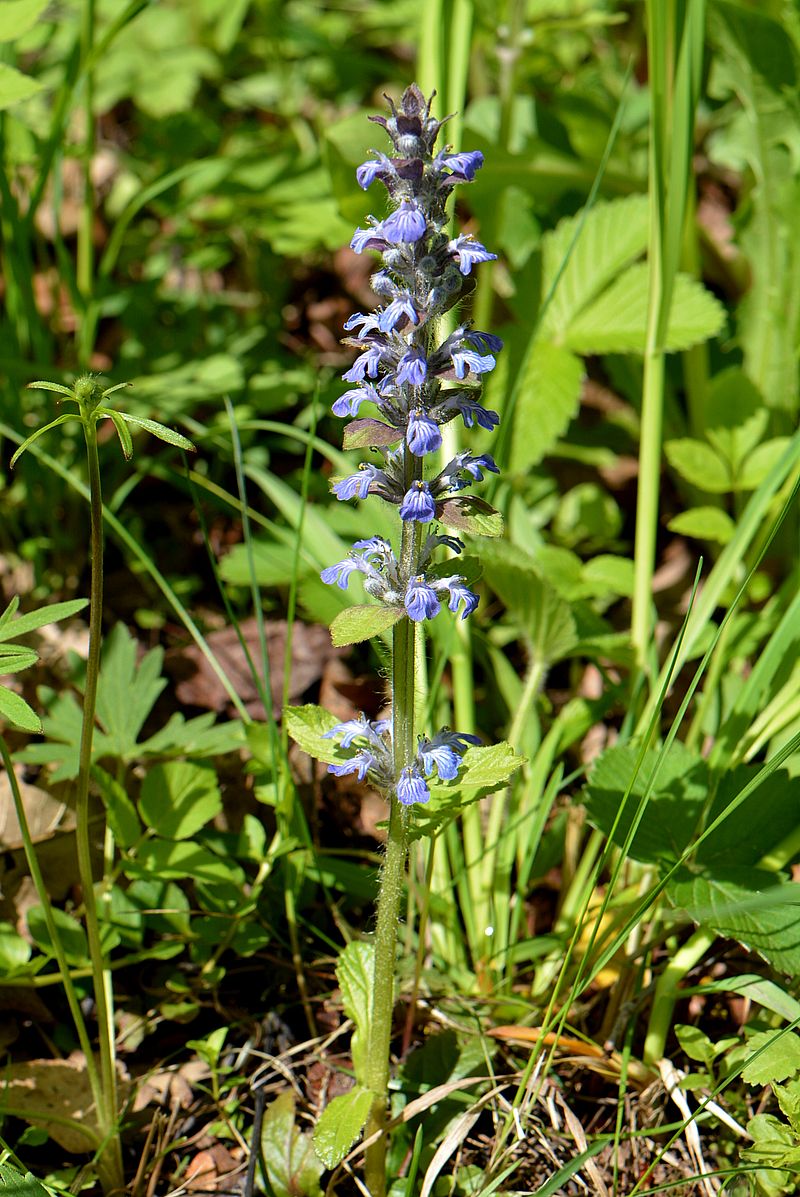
pixel 362 623
pixel 699 464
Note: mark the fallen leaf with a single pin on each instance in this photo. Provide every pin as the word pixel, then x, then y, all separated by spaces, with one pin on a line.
pixel 208 1168
pixel 56 1096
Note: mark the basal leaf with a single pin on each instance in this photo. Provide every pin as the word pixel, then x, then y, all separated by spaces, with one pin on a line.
pixel 771 1056
pixel 749 905
pixel 612 235
pixel 616 322
pixel 735 416
pixel 292 1165
pixel 120 811
pixel 340 1124
pixel 548 396
pixel 307 725
pixel 173 860
pixel 545 619
pixel 69 931
pixel 127 691
pixel 178 798
pixel 15 1184
pixel 355 624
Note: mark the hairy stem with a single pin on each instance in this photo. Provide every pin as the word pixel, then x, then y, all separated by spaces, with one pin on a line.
pixel 107 1110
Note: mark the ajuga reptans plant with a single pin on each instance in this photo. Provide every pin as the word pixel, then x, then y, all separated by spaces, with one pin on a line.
pixel 406 383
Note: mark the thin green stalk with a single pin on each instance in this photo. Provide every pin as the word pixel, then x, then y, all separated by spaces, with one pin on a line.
pixel 666 992
pixel 85 250
pixel 107 1113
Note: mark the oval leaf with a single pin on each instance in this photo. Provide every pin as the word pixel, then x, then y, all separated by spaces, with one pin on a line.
pixel 470 514
pixel 363 434
pixel 342 1121
pixel 362 623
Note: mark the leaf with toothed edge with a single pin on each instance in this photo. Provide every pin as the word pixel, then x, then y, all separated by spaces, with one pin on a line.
pixel 362 623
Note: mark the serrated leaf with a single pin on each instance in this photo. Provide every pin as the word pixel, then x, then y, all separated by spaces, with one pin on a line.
pixel 18 16
pixel 761 462
pixel 734 415
pixel 548 397
pixel 15 1184
pixel 704 523
pixel 616 322
pixel 486 768
pixel 292 1165
pixel 16 710
pixel 771 1056
pixel 160 430
pixel 340 1124
pixel 41 618
pixel 120 811
pixel 789 1100
pixel 364 433
pixel 612 235
pixel 748 905
pixel 545 619
pixel 699 464
pixel 355 970
pixel 15 87
pixel 178 798
pixel 471 514
pixel 127 691
pixel 307 725
pixel 355 624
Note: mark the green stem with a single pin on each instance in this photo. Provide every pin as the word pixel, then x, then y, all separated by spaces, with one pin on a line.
pixel 666 992
pixel 647 504
pixel 393 872
pixel 85 255
pixel 107 1109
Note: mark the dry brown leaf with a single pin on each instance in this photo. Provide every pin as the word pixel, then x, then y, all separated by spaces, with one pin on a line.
pixel 56 1095
pixel 208 1168
pixel 45 814
pixel 197 685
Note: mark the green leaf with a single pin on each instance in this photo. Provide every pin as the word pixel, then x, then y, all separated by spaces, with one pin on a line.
pixel 18 16
pixel 471 514
pixel 178 798
pixel 761 462
pixel 606 575
pixel 71 934
pixel 53 423
pixel 366 433
pixel 122 432
pixel 292 1166
pixel 362 623
pixel 340 1124
pixel 160 430
pixel 548 394
pixel 14 1184
pixel 545 619
pixel 355 971
pixel 699 464
pixel 41 618
pixel 16 710
pixel 173 860
pixel 617 321
pixel 15 952
pixel 120 811
pixel 695 1043
pixel 734 415
pixel 704 523
pixel 307 726
pixel 14 88
pixel 127 691
pixel 674 806
pixel 771 1056
pixel 486 768
pixel 748 905
pixel 613 234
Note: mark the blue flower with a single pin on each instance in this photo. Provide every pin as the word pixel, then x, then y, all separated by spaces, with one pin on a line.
pixel 369 171
pixel 361 764
pixel 473 412
pixel 340 573
pixel 418 504
pixel 459 593
pixel 411 787
pixel 367 239
pixel 474 464
pixel 352 729
pixel 412 368
pixel 422 435
pixel 366 363
pixel 349 403
pixel 468 252
pixel 375 546
pixel 367 323
pixel 443 753
pixel 420 600
pixel 405 225
pixel 465 164
pixel 465 360
pixel 484 340
pixel 402 305
pixel 357 484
